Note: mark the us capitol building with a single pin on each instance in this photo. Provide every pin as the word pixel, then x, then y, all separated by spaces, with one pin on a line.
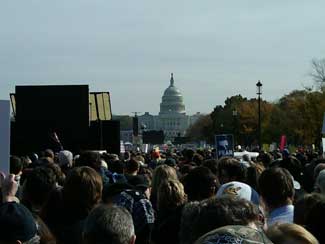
pixel 172 118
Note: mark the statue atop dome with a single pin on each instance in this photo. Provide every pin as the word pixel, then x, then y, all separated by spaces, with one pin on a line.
pixel 171 80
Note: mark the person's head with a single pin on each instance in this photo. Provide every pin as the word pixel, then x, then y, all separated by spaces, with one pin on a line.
pixel 276 187
pixel 170 195
pixel 82 190
pixel 141 183
pixel 132 167
pixel 230 169
pixel 213 213
pixel 318 169
pixel 293 165
pixel 139 159
pixel 16 165
pixel 198 159
pixel 234 234
pixel 212 164
pixel 320 182
pixel 43 161
pixel 188 154
pixel 155 154
pixel 17 225
pixel 187 168
pixel 288 233
pixel 200 184
pixel 117 167
pixel 89 158
pixel 109 224
pixel 109 158
pixel 60 176
pixel 65 159
pixel 110 191
pixel 171 162
pixel 239 190
pixel 38 186
pixel 48 153
pixel 160 174
pixel 304 205
pixel 266 159
pixel 253 174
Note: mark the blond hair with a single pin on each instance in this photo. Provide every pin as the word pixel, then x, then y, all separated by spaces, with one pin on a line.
pixel 160 174
pixel 170 195
pixel 282 232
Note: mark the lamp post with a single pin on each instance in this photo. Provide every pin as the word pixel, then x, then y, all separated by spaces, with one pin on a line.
pixel 259 93
pixel 234 114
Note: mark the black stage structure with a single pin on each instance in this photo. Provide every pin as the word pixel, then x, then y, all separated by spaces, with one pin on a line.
pixel 62 116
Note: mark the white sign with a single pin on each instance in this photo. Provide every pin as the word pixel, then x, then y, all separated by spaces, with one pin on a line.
pixel 145 148
pixel 250 154
pixel 4 136
pixel 122 147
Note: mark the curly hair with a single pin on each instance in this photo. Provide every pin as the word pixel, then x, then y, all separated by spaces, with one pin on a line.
pixel 170 195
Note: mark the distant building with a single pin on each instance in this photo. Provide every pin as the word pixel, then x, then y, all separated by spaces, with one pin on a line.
pixel 172 118
pixel 126 135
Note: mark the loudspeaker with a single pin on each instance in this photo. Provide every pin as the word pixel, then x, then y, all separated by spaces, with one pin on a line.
pixel 181 140
pixel 105 135
pixel 153 137
pixel 43 110
pixel 135 126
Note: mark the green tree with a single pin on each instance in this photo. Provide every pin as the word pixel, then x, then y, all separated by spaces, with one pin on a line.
pixel 201 129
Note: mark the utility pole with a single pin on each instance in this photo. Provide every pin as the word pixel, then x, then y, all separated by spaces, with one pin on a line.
pixel 259 93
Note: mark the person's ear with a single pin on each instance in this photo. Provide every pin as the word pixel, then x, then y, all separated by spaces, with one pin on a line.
pixel 133 238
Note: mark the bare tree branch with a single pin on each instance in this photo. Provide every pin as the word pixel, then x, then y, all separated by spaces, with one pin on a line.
pixel 318 72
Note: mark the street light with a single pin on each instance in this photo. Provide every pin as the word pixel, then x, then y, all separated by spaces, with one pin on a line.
pixel 259 93
pixel 234 114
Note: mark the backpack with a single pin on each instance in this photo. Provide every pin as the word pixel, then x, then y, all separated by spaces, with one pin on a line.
pixel 139 207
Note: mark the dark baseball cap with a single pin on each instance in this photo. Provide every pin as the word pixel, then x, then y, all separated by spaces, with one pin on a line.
pixel 16 222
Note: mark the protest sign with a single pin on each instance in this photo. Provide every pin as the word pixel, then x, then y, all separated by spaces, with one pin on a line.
pixel 224 145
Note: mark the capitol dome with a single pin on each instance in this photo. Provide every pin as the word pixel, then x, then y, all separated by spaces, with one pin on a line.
pixel 172 100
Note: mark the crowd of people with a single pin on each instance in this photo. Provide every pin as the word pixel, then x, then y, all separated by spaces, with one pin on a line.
pixel 175 197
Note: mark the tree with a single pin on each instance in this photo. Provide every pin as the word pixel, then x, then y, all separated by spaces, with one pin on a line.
pixel 222 116
pixel 248 120
pixel 201 129
pixel 299 116
pixel 318 72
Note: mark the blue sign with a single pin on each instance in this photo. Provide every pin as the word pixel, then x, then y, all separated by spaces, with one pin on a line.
pixel 224 145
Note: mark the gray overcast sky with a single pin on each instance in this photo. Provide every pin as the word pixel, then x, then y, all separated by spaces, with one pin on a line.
pixel 216 48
